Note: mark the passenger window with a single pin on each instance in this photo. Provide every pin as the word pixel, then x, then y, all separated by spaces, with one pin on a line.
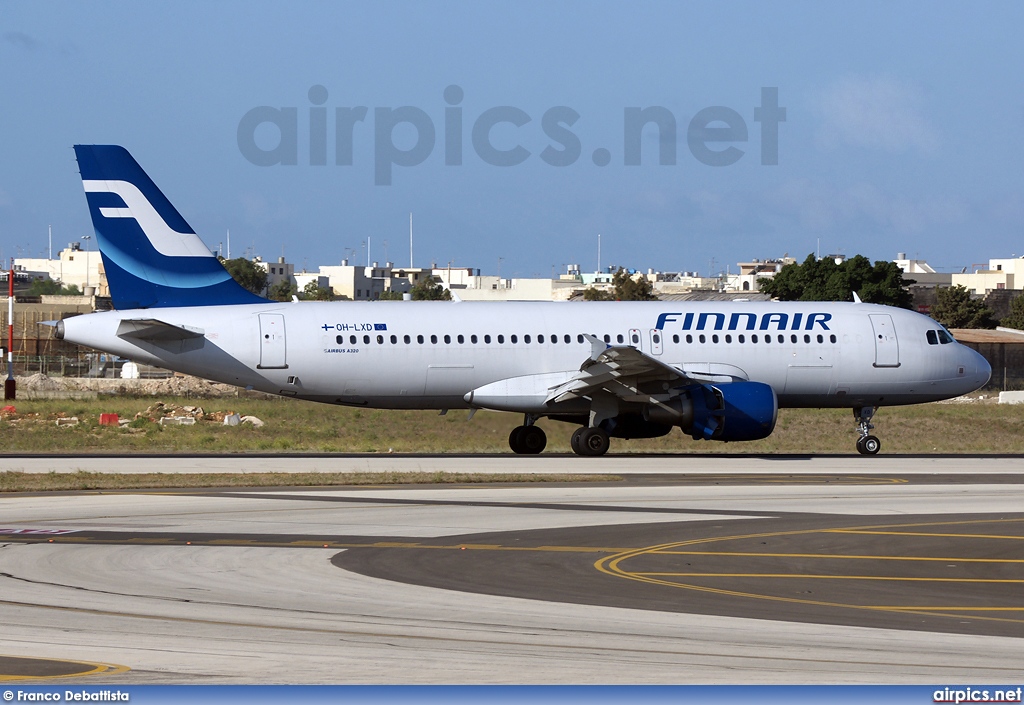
pixel 607 338
pixel 526 339
pixel 702 338
pixel 580 338
pixel 807 338
pixel 461 339
pixel 792 338
pixel 832 338
pixel 394 339
pixel 714 338
pixel 554 339
pixel 767 339
pixel 448 339
pixel 407 340
pixel 782 339
pixel 352 340
pixel 675 338
pixel 635 338
pixel 340 340
pixel 568 338
pixel 821 338
pixel 501 339
pixel 366 339
pixel 487 339
pixel 753 338
pixel 656 338
pixel 689 338
pixel 513 339
pixel 433 339
pixel 540 338
pixel 419 339
pixel 741 338
pixel 619 338
pixel 728 338
pixel 380 340
pixel 472 339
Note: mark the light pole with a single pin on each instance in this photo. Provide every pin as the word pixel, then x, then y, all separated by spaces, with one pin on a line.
pixel 87 238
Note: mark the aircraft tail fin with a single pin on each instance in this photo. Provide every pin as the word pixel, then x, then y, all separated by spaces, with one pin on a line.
pixel 151 256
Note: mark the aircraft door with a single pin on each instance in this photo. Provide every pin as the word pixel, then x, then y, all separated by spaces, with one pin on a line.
pixel 635 339
pixel 273 347
pixel 656 341
pixel 887 347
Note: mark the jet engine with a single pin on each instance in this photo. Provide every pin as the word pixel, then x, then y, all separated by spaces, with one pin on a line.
pixel 738 411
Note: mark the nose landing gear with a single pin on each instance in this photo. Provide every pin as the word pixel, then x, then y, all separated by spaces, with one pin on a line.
pixel 866 444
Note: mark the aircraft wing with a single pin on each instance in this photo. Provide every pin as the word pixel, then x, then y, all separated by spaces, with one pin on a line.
pixel 156 330
pixel 633 375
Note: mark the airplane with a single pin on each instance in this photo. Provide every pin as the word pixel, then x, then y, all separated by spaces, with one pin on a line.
pixel 719 371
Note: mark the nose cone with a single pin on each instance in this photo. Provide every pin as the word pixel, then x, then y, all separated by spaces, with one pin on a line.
pixel 979 365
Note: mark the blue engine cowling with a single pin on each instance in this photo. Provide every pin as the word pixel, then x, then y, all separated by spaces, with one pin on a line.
pixel 738 411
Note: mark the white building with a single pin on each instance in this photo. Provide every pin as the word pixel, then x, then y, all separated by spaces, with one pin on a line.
pixel 73 266
pixel 1001 274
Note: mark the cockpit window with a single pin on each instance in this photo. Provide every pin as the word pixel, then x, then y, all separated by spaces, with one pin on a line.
pixel 932 339
pixel 944 336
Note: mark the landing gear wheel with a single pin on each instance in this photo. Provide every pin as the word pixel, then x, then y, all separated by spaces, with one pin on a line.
pixel 868 445
pixel 532 439
pixel 593 442
pixel 514 441
pixel 574 442
pixel 527 440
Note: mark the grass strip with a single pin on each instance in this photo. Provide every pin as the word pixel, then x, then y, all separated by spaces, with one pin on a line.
pixel 82 480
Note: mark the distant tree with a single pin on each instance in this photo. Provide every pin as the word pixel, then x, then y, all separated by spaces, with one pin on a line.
pixel 430 289
pixel 247 274
pixel 956 309
pixel 49 287
pixel 390 295
pixel 824 280
pixel 1015 319
pixel 630 288
pixel 625 287
pixel 284 290
pixel 314 292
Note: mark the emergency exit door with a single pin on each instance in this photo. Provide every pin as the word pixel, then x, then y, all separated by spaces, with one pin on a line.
pixel 273 348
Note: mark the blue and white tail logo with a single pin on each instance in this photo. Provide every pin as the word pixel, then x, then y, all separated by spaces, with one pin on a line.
pixel 152 258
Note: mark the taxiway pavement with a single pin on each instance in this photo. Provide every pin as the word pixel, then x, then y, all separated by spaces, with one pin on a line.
pixel 756 571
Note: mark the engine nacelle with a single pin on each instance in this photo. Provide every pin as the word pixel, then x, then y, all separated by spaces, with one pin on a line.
pixel 738 411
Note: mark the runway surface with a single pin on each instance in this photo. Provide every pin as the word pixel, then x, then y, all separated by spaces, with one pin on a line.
pixel 724 569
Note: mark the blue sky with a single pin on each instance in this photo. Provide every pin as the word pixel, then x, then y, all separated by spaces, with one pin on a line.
pixel 904 127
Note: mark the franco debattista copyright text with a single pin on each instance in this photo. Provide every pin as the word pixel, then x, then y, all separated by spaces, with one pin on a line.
pixel 68 696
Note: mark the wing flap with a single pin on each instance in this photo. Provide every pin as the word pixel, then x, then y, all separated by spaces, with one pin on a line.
pixel 625 372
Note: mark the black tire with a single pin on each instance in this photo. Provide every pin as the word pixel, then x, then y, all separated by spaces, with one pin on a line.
pixel 532 439
pixel 515 440
pixel 593 442
pixel 574 442
pixel 871 445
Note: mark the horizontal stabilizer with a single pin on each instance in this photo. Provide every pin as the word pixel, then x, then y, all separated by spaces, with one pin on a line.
pixel 153 329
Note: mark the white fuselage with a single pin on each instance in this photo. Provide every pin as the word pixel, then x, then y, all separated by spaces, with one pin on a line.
pixel 821 354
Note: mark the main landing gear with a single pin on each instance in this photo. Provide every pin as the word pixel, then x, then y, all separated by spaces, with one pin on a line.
pixel 589 441
pixel 866 444
pixel 527 439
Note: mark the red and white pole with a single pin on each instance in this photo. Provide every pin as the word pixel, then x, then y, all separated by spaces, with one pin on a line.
pixel 9 384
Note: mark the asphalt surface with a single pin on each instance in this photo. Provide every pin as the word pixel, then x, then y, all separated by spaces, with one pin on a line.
pixel 150 583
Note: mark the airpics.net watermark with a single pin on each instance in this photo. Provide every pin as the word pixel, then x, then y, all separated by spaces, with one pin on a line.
pixel 711 134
